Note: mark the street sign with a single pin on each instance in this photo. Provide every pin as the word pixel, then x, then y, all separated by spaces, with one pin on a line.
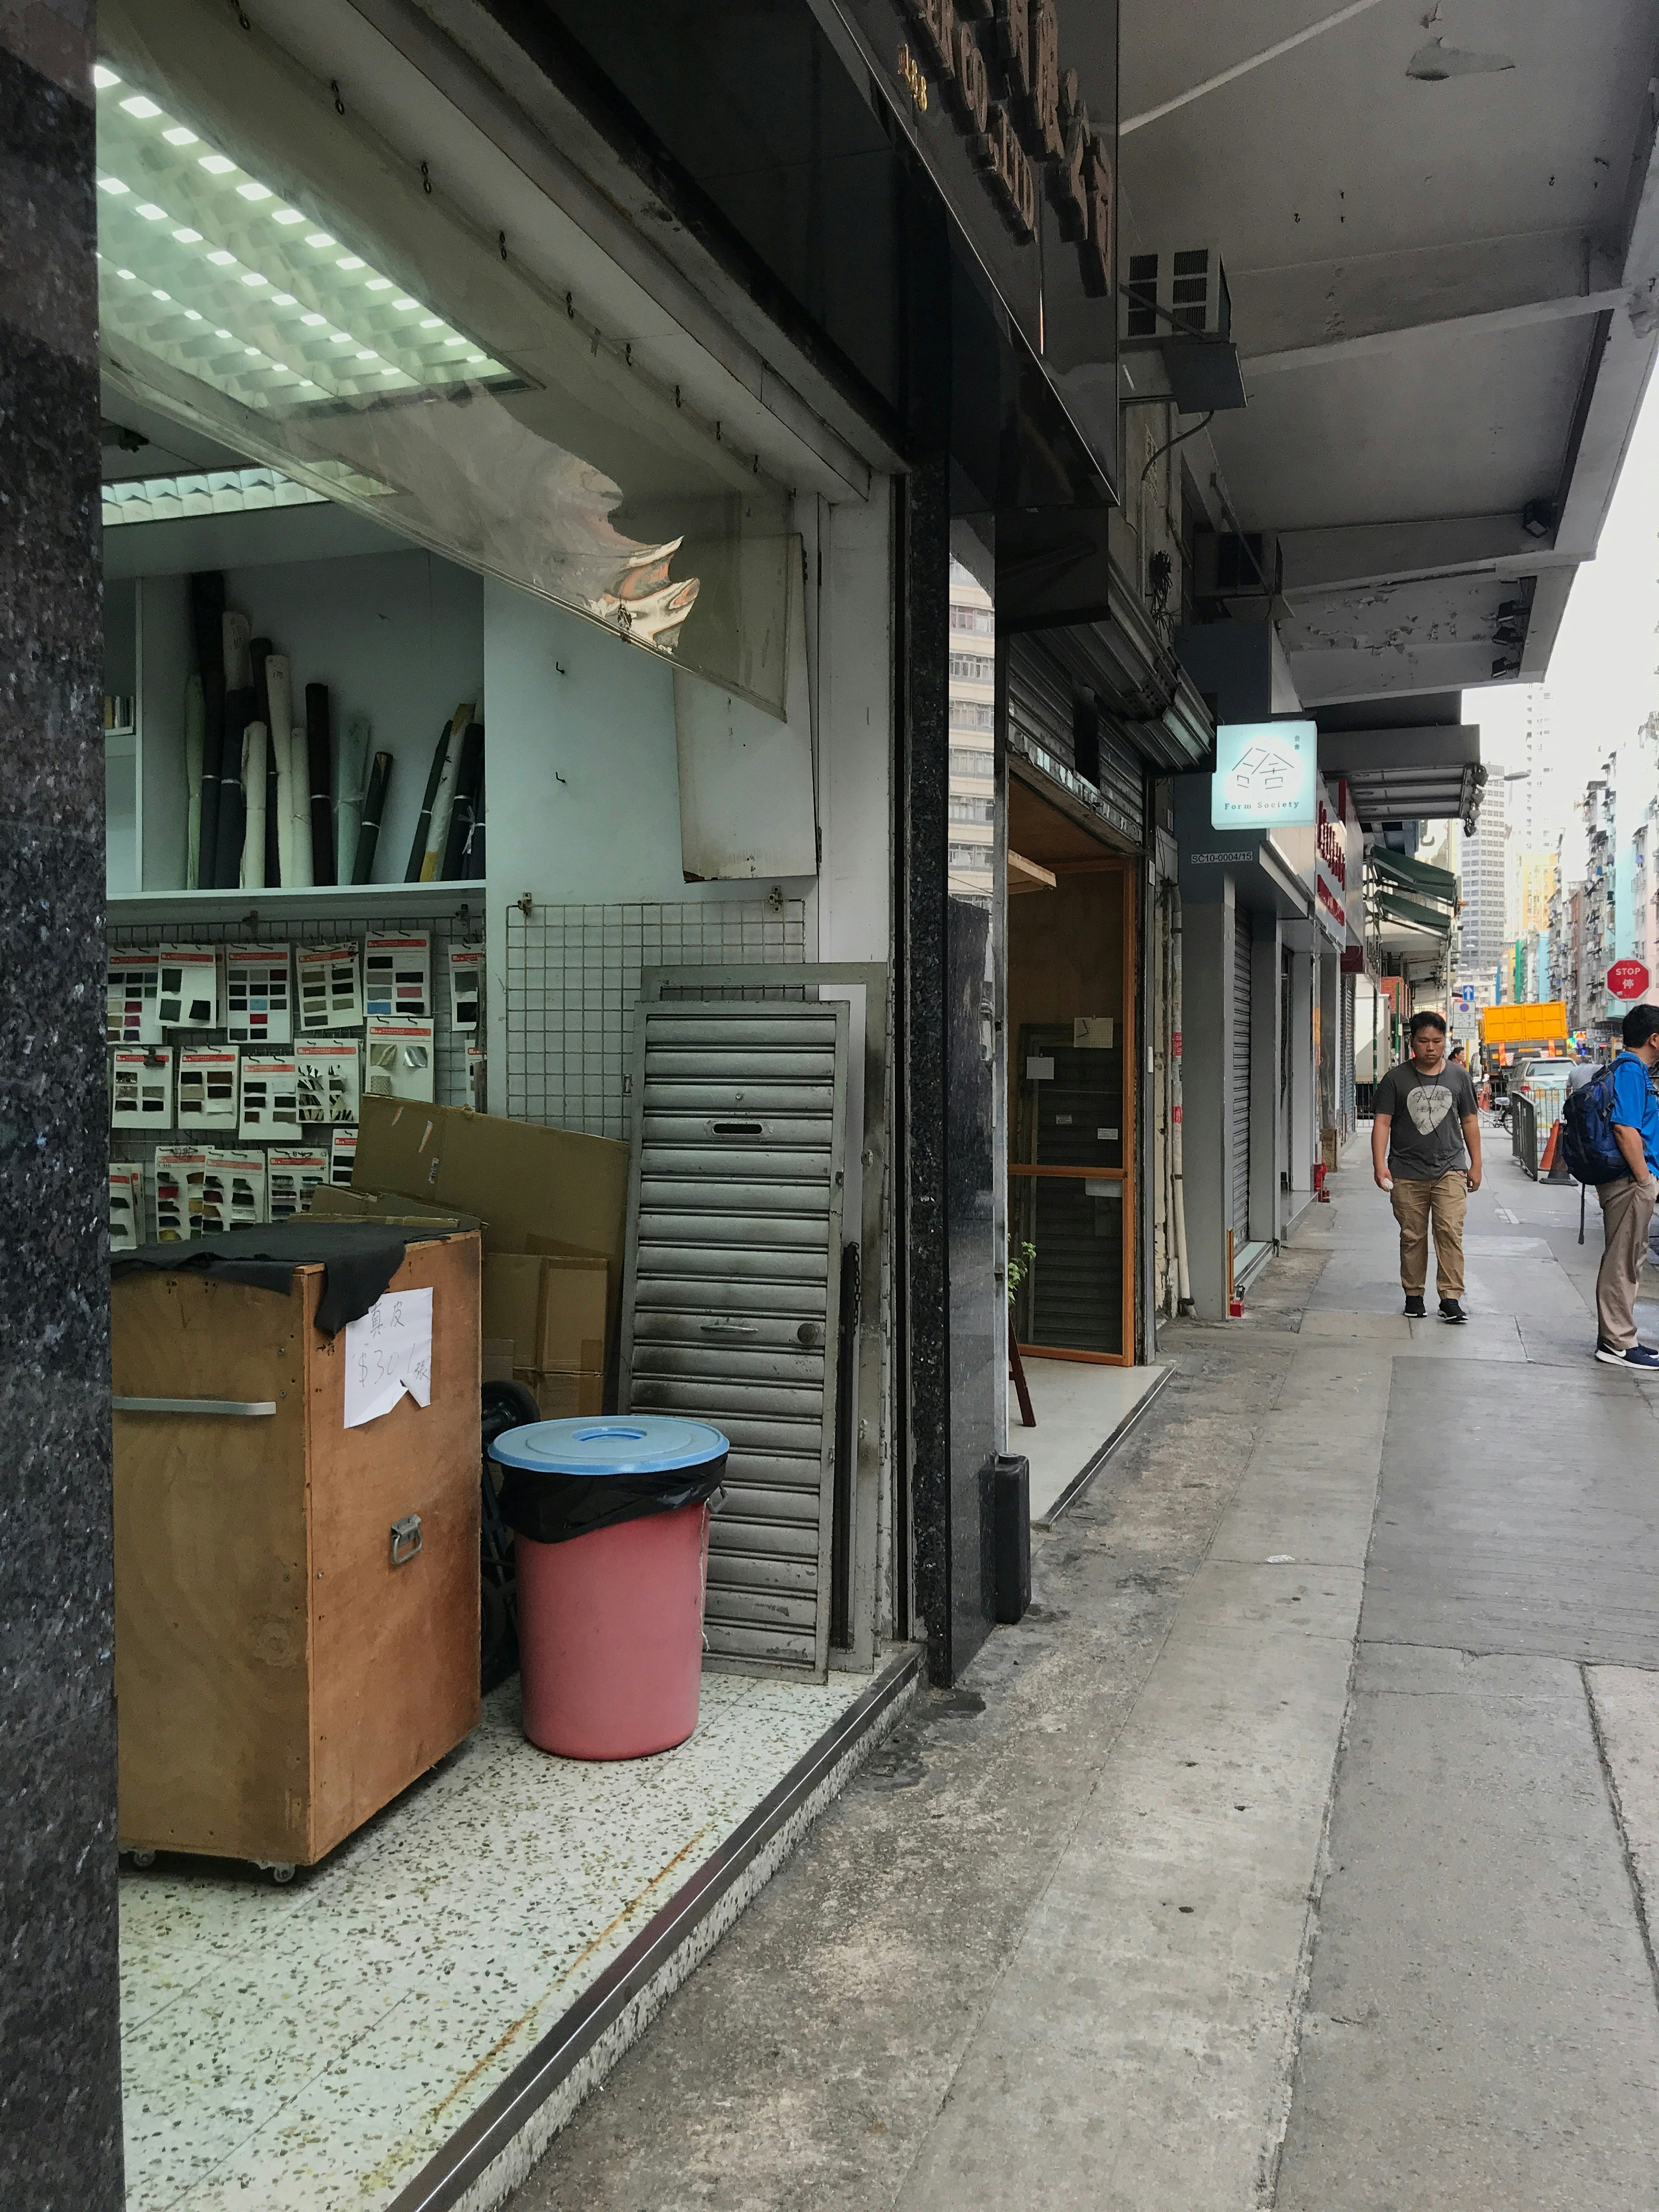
pixel 1466 994
pixel 1627 979
pixel 1267 775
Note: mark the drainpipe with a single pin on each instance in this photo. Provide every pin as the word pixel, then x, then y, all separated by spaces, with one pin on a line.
pixel 1183 1280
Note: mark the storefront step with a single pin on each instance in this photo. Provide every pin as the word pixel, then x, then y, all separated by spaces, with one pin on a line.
pixel 407 2026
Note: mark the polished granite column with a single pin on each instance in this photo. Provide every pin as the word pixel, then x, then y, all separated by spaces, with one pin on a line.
pixel 60 2118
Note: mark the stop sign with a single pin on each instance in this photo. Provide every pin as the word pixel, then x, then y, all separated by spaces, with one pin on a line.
pixel 1627 979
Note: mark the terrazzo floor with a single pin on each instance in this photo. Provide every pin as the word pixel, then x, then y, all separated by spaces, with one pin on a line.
pixel 308 2048
pixel 1078 1406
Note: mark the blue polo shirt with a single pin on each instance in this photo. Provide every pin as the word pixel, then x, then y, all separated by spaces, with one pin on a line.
pixel 1635 1106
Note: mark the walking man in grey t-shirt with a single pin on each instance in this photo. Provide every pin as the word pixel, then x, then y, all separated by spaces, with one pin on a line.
pixel 1425 1154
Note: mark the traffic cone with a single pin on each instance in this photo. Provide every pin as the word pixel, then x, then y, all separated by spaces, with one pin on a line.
pixel 1550 1167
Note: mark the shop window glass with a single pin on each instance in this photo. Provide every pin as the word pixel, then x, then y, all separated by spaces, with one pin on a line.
pixel 273 273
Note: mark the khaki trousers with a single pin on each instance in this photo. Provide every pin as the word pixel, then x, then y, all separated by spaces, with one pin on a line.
pixel 1625 1213
pixel 1444 1201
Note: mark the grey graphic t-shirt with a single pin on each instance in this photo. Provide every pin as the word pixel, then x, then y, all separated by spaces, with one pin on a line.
pixel 1425 1138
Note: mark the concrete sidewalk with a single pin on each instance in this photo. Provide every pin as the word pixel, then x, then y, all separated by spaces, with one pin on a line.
pixel 1290 1852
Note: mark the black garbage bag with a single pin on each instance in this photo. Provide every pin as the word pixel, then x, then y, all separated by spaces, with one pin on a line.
pixel 551 1508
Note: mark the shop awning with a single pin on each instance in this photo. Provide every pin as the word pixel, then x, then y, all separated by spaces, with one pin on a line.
pixel 1415 875
pixel 1389 906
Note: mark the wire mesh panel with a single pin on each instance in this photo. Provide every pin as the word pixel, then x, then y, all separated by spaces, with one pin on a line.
pixel 573 981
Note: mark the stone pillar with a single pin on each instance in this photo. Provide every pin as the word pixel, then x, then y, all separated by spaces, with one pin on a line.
pixel 60 2096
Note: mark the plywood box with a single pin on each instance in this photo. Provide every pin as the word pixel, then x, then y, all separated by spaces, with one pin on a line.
pixel 278 1678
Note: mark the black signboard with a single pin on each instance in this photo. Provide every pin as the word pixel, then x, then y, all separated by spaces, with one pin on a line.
pixel 1013 111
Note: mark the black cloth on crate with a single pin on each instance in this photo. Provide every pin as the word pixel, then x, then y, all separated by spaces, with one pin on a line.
pixel 360 1258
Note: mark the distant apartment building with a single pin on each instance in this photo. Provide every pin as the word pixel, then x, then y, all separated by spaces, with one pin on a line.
pixel 972 693
pixel 1535 878
pixel 1484 924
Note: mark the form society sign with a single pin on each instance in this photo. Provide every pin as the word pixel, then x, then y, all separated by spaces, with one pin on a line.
pixel 1267 775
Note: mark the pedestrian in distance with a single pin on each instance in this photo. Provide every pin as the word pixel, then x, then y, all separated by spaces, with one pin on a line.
pixel 1627 1198
pixel 1425 1154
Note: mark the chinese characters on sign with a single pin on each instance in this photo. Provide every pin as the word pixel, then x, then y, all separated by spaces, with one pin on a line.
pixel 388 1350
pixel 1266 777
pixel 1039 132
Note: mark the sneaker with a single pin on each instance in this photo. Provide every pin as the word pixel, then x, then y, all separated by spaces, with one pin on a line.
pixel 1450 1309
pixel 1639 1355
pixel 1415 1308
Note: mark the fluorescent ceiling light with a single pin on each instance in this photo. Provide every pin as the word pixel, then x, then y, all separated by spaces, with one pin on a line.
pixel 103 78
pixel 143 108
pixel 355 334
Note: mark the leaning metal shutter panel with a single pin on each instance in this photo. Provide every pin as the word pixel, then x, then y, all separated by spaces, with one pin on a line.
pixel 731 1295
pixel 1241 1075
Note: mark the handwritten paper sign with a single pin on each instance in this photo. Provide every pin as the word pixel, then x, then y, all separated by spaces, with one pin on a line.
pixel 388 1350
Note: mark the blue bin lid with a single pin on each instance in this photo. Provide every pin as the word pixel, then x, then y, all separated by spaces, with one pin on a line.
pixel 611 1443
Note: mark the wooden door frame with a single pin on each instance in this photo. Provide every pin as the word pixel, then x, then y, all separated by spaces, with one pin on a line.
pixel 1127 869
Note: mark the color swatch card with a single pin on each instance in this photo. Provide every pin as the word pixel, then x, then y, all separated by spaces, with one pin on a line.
pixel 141 1087
pixel 189 996
pixel 178 1173
pixel 342 1158
pixel 465 985
pixel 259 995
pixel 475 1078
pixel 400 1060
pixel 295 1171
pixel 398 978
pixel 132 988
pixel 126 1205
pixel 269 1096
pixel 330 987
pixel 207 1087
pixel 329 1080
pixel 233 1191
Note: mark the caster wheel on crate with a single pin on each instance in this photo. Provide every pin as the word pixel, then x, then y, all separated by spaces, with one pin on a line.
pixel 281 1872
pixel 143 1858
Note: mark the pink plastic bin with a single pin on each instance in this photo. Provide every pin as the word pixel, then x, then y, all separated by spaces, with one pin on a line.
pixel 611 1636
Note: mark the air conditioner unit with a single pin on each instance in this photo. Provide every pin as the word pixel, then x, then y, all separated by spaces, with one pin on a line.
pixel 1243 574
pixel 1178 294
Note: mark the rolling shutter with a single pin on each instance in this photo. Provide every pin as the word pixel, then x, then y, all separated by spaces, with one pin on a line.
pixel 731 1295
pixel 1241 1076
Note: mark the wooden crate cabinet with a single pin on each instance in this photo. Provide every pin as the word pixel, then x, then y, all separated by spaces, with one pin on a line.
pixel 278 1679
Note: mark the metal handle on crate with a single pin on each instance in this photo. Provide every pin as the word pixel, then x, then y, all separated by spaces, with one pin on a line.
pixel 405 1539
pixel 246 1405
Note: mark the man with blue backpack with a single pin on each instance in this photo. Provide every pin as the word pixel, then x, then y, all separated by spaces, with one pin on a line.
pixel 1610 1137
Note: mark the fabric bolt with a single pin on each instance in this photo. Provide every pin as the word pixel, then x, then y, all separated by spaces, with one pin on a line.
pixel 1634 1104
pixel 1426 1133
pixel 1626 1210
pixel 1443 1202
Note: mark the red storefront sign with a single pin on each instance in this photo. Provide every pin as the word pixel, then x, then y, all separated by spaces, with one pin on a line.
pixel 1627 979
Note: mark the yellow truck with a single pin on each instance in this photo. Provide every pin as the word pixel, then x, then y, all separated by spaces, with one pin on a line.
pixel 1506 1032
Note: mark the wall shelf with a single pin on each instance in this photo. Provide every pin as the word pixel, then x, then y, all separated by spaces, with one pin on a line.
pixel 321 901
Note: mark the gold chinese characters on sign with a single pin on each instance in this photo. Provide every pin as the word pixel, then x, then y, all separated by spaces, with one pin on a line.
pixel 1041 125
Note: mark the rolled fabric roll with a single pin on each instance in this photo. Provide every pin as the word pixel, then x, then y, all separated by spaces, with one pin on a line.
pixel 232 799
pixel 374 798
pixel 281 756
pixel 237 638
pixel 195 734
pixel 298 788
pixel 319 756
pixel 275 687
pixel 469 780
pixel 438 832
pixel 207 622
pixel 423 820
pixel 253 784
pixel 351 774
